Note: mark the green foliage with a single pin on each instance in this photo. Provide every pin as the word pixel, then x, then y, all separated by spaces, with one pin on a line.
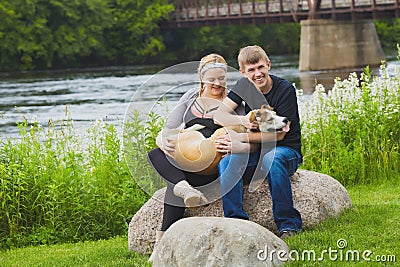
pixel 38 34
pixel 139 138
pixel 193 43
pixel 136 32
pixel 59 185
pixel 281 38
pixel 353 132
pixel 44 34
pixel 388 31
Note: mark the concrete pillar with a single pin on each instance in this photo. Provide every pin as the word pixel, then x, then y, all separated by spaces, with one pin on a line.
pixel 328 45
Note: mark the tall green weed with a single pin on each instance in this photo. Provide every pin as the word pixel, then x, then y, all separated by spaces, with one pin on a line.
pixel 61 185
pixel 139 137
pixel 352 133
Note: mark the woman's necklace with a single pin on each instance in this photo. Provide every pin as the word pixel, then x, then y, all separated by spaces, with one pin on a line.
pixel 203 107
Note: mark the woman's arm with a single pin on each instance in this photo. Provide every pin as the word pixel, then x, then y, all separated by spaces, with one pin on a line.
pixel 174 121
pixel 165 143
pixel 175 118
pixel 225 115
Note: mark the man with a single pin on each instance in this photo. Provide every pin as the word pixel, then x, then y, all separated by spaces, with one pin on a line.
pixel 278 162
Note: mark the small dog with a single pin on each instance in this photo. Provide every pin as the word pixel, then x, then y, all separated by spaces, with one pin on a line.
pixel 195 153
pixel 268 121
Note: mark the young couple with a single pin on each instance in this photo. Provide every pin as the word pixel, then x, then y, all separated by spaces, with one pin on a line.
pixel 277 154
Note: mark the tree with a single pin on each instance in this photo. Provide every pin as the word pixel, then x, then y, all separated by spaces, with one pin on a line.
pixel 23 33
pixel 78 29
pixel 388 31
pixel 193 43
pixel 72 33
pixel 135 34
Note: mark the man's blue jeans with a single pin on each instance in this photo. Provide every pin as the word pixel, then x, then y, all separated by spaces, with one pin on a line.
pixel 278 164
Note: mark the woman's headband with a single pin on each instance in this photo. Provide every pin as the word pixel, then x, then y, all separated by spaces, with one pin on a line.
pixel 214 65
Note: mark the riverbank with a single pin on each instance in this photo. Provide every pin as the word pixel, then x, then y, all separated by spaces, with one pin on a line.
pixel 372 225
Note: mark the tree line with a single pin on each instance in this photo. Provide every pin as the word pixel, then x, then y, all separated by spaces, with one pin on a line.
pixel 40 34
pixel 49 34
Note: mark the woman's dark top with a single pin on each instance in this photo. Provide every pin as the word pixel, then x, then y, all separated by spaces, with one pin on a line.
pixel 210 127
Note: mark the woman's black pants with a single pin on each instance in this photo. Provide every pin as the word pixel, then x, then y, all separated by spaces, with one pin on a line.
pixel 174 207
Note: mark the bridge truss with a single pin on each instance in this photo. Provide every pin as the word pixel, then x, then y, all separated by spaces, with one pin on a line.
pixel 194 13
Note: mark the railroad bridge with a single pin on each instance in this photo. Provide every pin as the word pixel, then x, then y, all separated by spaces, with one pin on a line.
pixel 335 34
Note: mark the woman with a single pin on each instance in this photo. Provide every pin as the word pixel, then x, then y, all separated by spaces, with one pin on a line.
pixel 195 107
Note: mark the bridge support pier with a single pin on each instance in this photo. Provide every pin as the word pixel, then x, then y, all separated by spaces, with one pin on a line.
pixel 328 44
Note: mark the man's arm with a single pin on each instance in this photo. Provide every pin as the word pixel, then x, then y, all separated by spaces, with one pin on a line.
pixel 259 137
pixel 225 116
pixel 244 142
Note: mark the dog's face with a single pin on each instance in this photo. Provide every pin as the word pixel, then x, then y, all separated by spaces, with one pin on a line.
pixel 270 122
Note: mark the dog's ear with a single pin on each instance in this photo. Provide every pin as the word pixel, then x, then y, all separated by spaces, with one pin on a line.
pixel 252 116
pixel 265 106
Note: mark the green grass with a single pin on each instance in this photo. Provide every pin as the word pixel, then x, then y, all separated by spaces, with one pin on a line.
pixel 112 252
pixel 373 224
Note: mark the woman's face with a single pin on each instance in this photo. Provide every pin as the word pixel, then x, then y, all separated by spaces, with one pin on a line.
pixel 214 81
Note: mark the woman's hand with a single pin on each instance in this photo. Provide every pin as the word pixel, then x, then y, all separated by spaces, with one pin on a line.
pixel 166 143
pixel 168 146
pixel 230 143
pixel 248 124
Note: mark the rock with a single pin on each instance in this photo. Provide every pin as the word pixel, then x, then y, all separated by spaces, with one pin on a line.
pixel 214 241
pixel 145 222
pixel 317 197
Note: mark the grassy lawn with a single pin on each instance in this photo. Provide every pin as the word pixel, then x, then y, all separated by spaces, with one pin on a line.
pixel 112 252
pixel 372 228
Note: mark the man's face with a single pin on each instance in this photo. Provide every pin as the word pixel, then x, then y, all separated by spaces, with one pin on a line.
pixel 257 73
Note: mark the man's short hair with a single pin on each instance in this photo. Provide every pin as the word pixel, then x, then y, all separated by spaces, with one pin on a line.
pixel 251 55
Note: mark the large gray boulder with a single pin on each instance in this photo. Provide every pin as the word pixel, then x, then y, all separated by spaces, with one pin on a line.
pixel 215 241
pixel 317 197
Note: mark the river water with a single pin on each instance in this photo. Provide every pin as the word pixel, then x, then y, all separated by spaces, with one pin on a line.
pixel 110 93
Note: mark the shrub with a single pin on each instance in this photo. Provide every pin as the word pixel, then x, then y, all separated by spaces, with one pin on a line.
pixel 353 132
pixel 61 185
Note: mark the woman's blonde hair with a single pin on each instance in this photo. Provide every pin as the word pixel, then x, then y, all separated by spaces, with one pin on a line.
pixel 251 55
pixel 208 62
